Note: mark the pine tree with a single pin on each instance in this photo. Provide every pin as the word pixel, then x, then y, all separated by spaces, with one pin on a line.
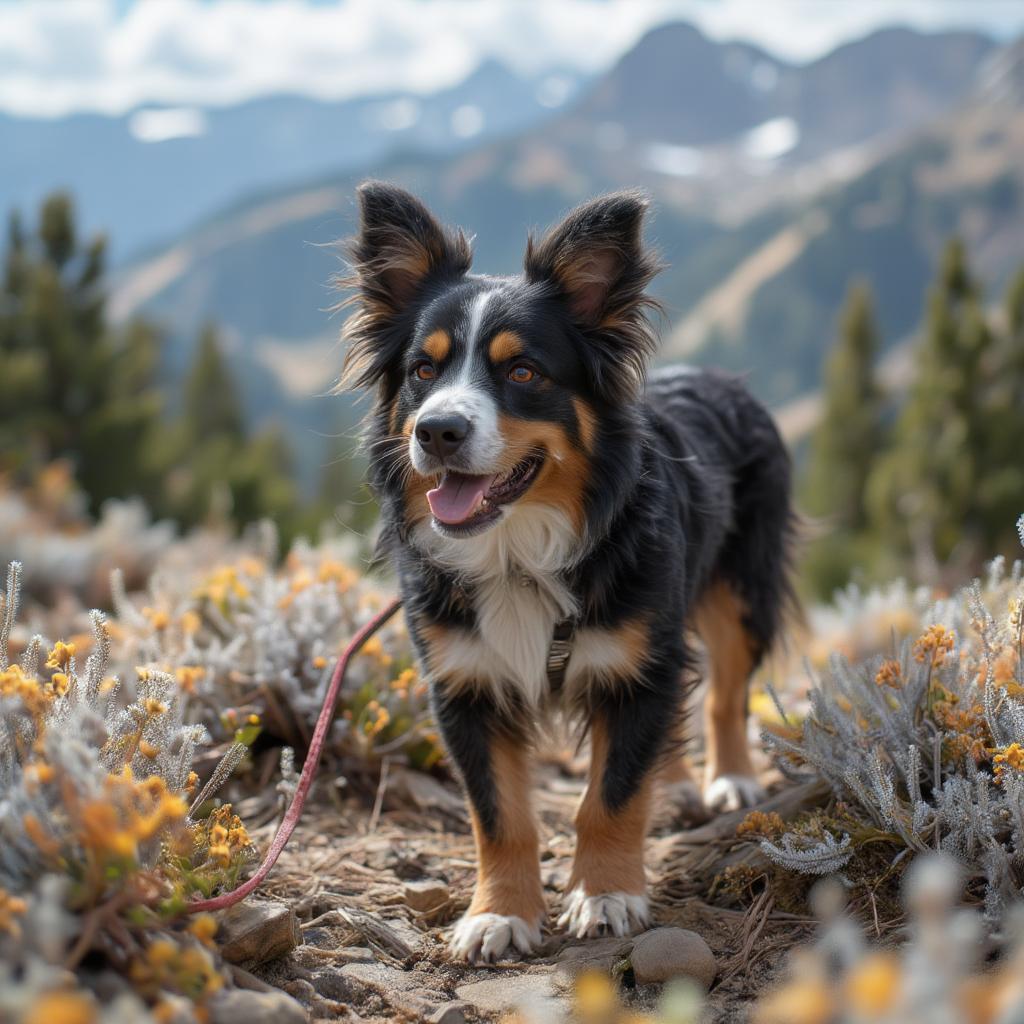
pixel 846 441
pixel 1003 489
pixel 844 446
pixel 211 404
pixel 71 387
pixel 215 469
pixel 925 496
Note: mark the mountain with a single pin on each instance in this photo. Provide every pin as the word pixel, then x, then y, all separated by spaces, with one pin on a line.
pixel 146 177
pixel 768 202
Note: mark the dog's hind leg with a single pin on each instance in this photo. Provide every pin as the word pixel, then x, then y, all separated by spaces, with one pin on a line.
pixel 732 655
pixel 741 613
pixel 492 755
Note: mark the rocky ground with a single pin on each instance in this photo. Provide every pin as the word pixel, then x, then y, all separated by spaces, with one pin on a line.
pixel 354 921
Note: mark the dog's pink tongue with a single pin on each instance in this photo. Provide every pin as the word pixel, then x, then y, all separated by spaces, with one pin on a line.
pixel 457 497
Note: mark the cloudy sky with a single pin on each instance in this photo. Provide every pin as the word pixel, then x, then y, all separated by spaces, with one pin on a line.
pixel 58 56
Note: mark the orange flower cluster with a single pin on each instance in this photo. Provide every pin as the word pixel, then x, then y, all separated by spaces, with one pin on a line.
pixel 761 824
pixel 166 966
pixel 12 908
pixel 890 674
pixel 110 829
pixel 1009 759
pixel 224 837
pixel 967 729
pixel 934 645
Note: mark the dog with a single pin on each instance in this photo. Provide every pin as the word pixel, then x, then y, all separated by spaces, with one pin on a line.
pixel 559 519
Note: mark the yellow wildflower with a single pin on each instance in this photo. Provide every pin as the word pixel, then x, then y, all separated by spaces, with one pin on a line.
pixel 934 645
pixel 889 674
pixel 158 618
pixel 873 985
pixel 11 908
pixel 188 676
pixel 204 928
pixel 760 823
pixel 1011 758
pixel 61 655
pixel 61 1008
pixel 596 999
pixel 800 1002
pixel 190 622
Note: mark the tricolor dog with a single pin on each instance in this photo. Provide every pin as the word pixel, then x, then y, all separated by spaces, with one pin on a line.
pixel 559 522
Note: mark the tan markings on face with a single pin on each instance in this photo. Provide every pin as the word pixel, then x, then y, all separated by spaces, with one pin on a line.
pixel 563 479
pixel 416 486
pixel 508 874
pixel 438 346
pixel 587 420
pixel 731 659
pixel 505 345
pixel 609 844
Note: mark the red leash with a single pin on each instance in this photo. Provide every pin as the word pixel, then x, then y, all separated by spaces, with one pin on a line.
pixel 291 817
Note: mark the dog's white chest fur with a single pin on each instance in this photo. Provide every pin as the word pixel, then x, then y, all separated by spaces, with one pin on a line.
pixel 515 570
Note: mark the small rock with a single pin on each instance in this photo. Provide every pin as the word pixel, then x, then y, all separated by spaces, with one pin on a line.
pixel 453 1013
pixel 412 992
pixel 332 983
pixel 665 953
pixel 402 934
pixel 355 955
pixel 425 895
pixel 240 1006
pixel 256 931
pixel 301 990
pixel 596 955
pixel 533 992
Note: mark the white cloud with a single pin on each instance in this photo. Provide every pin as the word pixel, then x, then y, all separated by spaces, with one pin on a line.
pixel 58 56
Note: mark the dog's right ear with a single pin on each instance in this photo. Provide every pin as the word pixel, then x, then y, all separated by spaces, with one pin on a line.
pixel 399 248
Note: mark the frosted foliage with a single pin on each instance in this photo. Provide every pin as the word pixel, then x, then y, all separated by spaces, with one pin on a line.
pixel 926 742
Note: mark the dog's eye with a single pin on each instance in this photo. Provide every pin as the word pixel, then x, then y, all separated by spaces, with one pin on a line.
pixel 424 370
pixel 521 374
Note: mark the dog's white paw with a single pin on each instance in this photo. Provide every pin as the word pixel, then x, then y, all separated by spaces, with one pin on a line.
pixel 731 792
pixel 484 938
pixel 609 913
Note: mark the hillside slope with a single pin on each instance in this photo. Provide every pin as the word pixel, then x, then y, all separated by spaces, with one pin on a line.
pixel 761 242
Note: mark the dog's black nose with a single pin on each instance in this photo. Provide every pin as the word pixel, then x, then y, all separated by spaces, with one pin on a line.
pixel 442 436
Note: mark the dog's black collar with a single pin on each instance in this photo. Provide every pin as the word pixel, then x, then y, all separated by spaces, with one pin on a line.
pixel 559 653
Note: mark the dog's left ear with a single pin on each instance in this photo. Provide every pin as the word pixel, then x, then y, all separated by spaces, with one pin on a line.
pixel 399 248
pixel 596 260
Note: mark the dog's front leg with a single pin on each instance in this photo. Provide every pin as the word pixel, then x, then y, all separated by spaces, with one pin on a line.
pixel 491 752
pixel 628 736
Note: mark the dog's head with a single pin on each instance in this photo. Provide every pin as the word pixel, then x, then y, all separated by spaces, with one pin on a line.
pixel 497 394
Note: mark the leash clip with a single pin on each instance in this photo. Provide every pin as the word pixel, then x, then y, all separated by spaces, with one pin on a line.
pixel 559 653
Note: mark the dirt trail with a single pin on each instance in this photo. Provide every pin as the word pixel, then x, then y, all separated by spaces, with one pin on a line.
pixel 368 955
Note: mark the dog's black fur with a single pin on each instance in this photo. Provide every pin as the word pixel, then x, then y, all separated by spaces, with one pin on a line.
pixel 683 482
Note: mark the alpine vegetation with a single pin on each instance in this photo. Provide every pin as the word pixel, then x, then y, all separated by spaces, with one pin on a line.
pixel 101 839
pixel 253 647
pixel 923 746
pixel 935 978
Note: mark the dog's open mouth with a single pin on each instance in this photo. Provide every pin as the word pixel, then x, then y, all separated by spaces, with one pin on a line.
pixel 463 504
